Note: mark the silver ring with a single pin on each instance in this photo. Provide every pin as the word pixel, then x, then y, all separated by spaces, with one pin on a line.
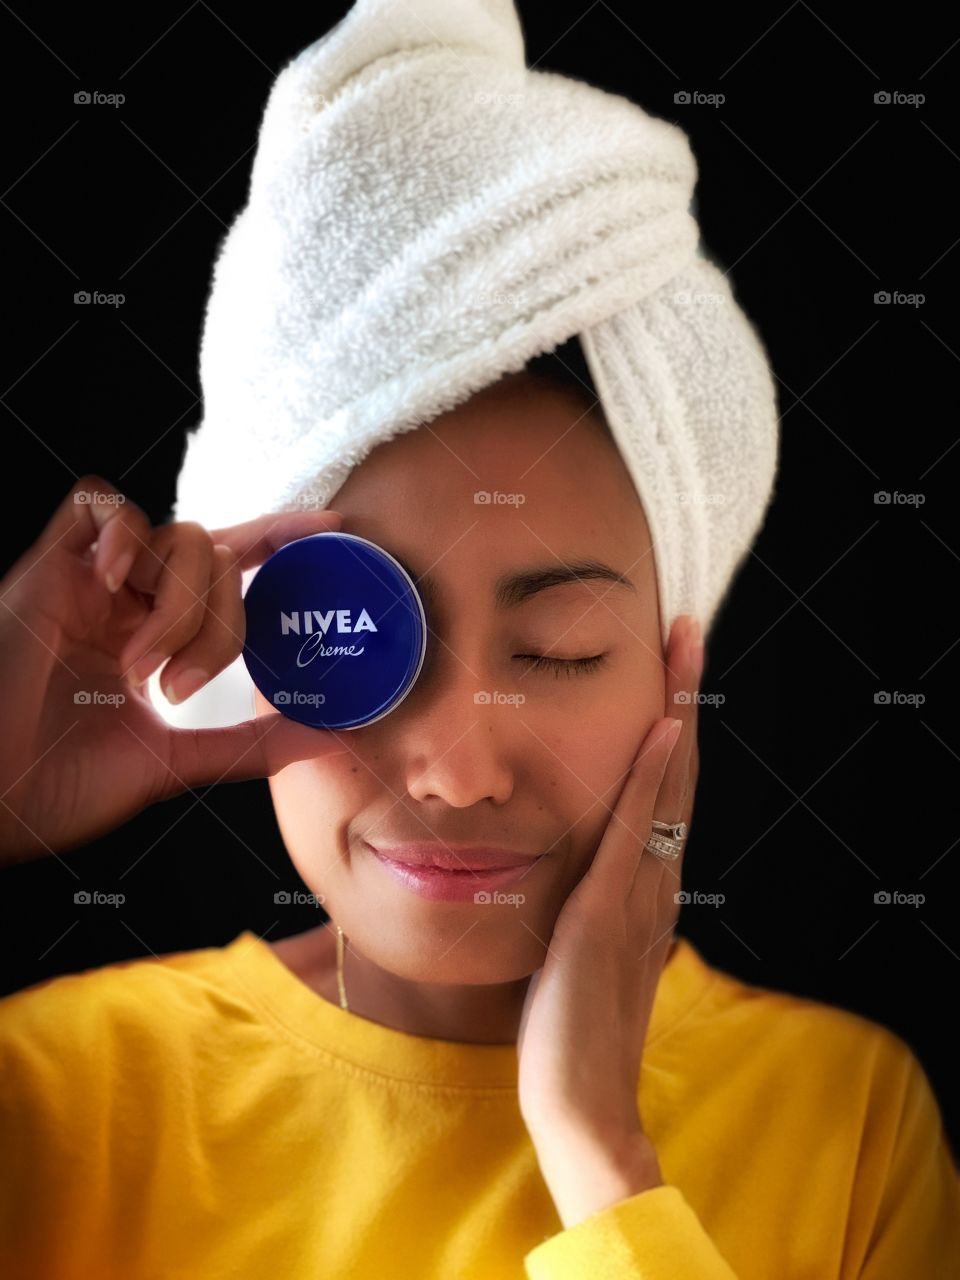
pixel 666 839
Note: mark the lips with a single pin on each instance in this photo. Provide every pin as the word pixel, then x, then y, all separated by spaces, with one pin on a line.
pixel 480 883
pixel 450 857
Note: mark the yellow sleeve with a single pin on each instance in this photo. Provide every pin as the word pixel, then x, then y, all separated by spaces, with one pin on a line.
pixel 915 1216
pixel 654 1235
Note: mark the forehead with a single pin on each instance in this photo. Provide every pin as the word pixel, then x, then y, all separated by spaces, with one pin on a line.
pixel 534 448
pixel 518 475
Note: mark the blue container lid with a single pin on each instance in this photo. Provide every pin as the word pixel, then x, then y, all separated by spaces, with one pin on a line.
pixel 336 631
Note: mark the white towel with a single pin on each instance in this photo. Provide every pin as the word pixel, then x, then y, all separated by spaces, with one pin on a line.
pixel 426 214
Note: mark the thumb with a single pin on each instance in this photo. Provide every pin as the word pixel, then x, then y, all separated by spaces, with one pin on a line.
pixel 256 748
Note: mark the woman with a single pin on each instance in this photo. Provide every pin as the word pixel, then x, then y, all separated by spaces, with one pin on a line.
pixel 431 1108
pixel 552 1083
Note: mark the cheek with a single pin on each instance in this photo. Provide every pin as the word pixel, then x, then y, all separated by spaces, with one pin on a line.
pixel 314 802
pixel 593 755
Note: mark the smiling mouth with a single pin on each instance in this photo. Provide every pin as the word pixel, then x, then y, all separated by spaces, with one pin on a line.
pixel 469 859
pixel 460 884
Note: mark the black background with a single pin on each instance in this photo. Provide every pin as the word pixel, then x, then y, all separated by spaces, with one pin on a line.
pixel 812 797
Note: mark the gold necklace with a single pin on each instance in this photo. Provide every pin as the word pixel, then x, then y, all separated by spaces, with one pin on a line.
pixel 340 987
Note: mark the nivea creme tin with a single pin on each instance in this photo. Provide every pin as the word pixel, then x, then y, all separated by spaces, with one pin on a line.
pixel 336 631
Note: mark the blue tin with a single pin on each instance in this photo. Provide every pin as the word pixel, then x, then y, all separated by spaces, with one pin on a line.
pixel 336 631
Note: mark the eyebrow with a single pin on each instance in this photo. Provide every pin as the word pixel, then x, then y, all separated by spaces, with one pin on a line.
pixel 520 585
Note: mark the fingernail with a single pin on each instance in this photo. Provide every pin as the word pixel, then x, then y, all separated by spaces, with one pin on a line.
pixel 118 571
pixel 144 667
pixel 670 737
pixel 185 683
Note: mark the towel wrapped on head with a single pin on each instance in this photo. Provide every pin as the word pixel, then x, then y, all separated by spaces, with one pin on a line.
pixel 425 215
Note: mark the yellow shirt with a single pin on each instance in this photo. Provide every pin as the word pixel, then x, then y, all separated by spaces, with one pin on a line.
pixel 206 1115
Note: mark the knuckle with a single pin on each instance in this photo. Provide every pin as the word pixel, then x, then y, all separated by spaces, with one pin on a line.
pixel 215 644
pixel 183 536
pixel 92 480
pixel 192 531
pixel 226 562
pixel 177 625
pixel 81 497
pixel 129 521
pixel 218 635
pixel 121 512
pixel 226 554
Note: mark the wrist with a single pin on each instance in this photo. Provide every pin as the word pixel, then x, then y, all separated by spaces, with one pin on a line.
pixel 586 1174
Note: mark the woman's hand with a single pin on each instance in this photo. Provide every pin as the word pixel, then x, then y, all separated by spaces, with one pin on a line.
pixel 94 606
pixel 586 1012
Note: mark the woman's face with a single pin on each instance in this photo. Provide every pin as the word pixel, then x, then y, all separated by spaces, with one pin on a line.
pixel 538 772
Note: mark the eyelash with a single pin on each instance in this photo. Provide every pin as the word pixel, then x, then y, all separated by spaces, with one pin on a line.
pixel 561 666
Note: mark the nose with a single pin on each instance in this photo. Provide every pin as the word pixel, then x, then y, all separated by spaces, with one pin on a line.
pixel 456 747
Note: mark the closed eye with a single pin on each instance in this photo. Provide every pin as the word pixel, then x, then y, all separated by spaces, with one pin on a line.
pixel 561 666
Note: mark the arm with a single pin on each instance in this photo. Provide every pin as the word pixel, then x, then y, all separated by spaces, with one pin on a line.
pixel 585 1177
pixel 652 1234
pixel 583 1028
pixel 905 1218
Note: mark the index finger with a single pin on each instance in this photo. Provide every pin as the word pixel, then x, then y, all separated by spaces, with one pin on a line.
pixel 254 541
pixel 682 687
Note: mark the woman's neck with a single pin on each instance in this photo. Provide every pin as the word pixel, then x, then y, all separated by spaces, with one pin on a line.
pixel 470 1014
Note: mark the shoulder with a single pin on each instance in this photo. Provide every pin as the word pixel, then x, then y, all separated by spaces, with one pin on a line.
pixel 761 1030
pixel 96 1066
pixel 87 1019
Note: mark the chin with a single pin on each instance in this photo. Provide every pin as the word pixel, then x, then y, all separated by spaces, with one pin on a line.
pixel 434 954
